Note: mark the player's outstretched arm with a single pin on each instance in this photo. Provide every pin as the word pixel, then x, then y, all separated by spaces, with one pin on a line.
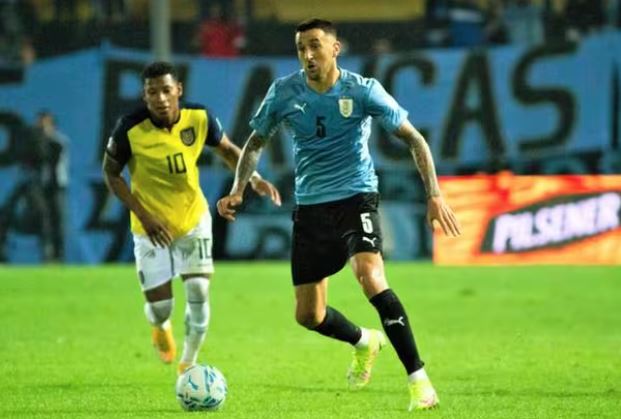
pixel 230 153
pixel 437 209
pixel 155 229
pixel 248 160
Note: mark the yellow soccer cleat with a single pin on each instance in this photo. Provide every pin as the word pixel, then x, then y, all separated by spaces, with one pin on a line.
pixel 164 344
pixel 182 367
pixel 359 372
pixel 422 395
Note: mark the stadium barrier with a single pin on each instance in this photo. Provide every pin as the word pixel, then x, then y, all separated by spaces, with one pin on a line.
pixel 546 110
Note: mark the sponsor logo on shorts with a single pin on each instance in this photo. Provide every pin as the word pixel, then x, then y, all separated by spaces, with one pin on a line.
pixel 370 240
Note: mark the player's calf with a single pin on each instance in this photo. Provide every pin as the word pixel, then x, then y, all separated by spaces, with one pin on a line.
pixel 158 315
pixel 197 315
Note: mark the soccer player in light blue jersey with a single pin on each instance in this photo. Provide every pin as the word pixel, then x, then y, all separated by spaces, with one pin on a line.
pixel 329 111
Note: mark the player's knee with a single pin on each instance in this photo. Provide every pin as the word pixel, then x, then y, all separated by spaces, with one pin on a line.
pixel 369 272
pixel 309 319
pixel 371 277
pixel 197 310
pixel 158 312
pixel 197 289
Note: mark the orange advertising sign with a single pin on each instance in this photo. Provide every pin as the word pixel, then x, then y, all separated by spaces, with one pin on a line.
pixel 510 220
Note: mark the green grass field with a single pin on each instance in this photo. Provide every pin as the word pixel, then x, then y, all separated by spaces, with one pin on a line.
pixel 535 342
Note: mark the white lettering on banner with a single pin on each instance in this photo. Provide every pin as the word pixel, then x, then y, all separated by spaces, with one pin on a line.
pixel 555 224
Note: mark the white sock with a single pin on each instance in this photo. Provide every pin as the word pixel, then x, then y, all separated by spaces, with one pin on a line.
pixel 418 375
pixel 158 312
pixel 197 315
pixel 364 338
pixel 191 345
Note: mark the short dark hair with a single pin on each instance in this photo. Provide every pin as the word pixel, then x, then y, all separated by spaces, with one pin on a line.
pixel 158 69
pixel 315 23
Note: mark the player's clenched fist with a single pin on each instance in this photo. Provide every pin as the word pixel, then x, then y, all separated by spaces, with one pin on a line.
pixel 227 206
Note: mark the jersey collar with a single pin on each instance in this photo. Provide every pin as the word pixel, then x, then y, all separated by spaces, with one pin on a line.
pixel 332 88
pixel 158 125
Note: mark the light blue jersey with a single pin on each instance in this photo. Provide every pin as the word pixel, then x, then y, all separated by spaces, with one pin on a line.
pixel 330 132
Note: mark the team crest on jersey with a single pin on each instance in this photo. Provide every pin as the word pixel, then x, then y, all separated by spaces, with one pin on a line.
pixel 346 106
pixel 188 136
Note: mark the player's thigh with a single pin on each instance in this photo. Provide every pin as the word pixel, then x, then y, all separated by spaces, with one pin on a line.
pixel 159 293
pixel 316 251
pixel 192 253
pixel 360 224
pixel 154 264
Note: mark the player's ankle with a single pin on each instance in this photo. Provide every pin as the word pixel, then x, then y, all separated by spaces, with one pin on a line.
pixel 417 375
pixel 364 338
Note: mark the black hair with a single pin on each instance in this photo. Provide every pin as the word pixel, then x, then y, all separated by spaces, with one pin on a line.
pixel 158 69
pixel 315 23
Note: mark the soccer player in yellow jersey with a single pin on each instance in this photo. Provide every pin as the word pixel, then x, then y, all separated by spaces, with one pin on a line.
pixel 170 221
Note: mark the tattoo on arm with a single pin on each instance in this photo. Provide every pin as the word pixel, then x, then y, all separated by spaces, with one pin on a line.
pixel 422 157
pixel 248 161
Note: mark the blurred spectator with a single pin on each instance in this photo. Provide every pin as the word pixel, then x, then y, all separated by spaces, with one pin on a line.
pixel 381 46
pixel 436 22
pixel 219 35
pixel 524 22
pixel 466 24
pixel 583 17
pixel 555 21
pixel 613 13
pixel 65 10
pixel 25 210
pixel 17 21
pixel 55 179
pixel 496 27
pixel 27 53
pixel 109 11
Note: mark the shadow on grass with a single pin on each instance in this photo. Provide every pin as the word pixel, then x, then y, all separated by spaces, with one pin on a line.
pixel 327 389
pixel 539 393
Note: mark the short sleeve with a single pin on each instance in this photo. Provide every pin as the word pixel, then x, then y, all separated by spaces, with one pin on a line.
pixel 265 121
pixel 382 106
pixel 214 130
pixel 118 144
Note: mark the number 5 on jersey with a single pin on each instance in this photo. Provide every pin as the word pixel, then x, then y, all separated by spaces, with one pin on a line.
pixel 321 127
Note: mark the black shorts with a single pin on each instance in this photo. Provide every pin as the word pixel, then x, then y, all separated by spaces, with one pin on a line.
pixel 326 235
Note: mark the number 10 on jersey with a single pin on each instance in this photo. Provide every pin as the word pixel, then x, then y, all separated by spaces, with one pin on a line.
pixel 176 163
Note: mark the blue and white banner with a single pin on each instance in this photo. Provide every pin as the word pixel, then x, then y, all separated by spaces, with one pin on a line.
pixel 550 109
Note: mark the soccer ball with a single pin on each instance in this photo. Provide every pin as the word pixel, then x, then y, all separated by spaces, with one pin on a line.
pixel 201 387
